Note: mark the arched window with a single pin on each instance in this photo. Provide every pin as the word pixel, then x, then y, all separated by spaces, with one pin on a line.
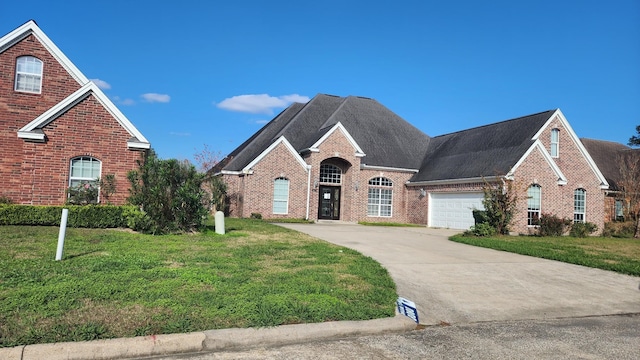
pixel 330 174
pixel 281 196
pixel 380 198
pixel 533 204
pixel 28 74
pixel 83 180
pixel 579 205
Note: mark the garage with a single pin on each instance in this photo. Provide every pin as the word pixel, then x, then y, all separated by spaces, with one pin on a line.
pixel 454 210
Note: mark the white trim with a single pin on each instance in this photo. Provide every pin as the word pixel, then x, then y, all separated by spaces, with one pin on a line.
pixel 30 27
pixel 338 126
pixel 558 115
pixel 385 168
pixel 454 181
pixel 281 140
pixel 70 101
pixel 562 180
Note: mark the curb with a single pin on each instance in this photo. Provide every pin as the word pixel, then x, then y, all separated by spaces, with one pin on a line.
pixel 206 341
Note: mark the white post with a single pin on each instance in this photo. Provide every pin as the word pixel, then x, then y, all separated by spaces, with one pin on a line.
pixel 63 230
pixel 219 217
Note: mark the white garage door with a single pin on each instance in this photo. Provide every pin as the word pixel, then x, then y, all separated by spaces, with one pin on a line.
pixel 453 210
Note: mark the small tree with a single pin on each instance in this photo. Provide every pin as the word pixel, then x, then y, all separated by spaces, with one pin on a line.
pixel 635 139
pixel 169 192
pixel 629 165
pixel 107 186
pixel 500 200
pixel 214 186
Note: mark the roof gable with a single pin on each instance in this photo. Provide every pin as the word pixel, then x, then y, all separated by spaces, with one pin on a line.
pixel 30 27
pixel 281 140
pixel 33 130
pixel 338 127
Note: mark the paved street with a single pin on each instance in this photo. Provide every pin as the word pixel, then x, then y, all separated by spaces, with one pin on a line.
pixel 608 337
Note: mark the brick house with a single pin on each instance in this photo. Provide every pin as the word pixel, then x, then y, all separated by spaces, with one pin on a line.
pixel 352 159
pixel 58 129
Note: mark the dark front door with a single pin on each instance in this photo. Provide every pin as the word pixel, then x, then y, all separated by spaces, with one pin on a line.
pixel 329 204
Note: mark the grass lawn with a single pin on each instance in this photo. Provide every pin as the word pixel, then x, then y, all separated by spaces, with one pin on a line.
pixel 615 254
pixel 114 283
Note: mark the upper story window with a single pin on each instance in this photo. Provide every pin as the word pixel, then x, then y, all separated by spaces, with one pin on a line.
pixel 330 174
pixel 28 74
pixel 281 196
pixel 84 180
pixel 380 197
pixel 579 205
pixel 555 142
pixel 533 204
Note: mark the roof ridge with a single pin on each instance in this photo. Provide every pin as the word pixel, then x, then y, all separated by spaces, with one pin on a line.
pixel 328 122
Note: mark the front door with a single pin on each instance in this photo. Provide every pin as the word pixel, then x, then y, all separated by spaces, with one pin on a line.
pixel 329 204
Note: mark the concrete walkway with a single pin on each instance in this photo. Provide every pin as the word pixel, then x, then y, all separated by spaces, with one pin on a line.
pixel 455 283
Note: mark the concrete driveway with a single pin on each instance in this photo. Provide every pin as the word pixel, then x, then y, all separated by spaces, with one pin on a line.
pixel 455 283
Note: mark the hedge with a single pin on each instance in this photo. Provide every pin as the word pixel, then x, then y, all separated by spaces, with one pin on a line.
pixel 87 216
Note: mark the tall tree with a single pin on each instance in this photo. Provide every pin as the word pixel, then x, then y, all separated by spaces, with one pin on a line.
pixel 629 165
pixel 635 139
pixel 214 186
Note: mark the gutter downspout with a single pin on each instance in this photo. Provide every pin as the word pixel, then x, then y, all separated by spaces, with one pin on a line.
pixel 308 190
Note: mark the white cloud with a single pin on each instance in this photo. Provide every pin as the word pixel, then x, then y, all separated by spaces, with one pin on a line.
pixel 120 101
pixel 259 103
pixel 153 97
pixel 101 84
pixel 262 121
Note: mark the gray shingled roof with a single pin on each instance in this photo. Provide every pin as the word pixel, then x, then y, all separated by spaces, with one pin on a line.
pixel 488 150
pixel 605 154
pixel 385 138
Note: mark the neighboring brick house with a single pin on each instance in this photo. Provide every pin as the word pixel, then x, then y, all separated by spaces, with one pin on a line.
pixel 57 128
pixel 352 159
pixel 606 155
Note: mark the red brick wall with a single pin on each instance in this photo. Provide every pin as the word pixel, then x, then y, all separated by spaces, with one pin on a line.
pixel 558 199
pixel 38 173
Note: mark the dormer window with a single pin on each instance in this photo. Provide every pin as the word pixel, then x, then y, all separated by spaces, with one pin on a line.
pixel 28 74
pixel 555 142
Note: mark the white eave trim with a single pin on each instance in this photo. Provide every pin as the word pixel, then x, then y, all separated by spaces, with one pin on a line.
pixel 385 168
pixel 560 117
pixel 338 126
pixel 562 180
pixel 30 27
pixel 31 135
pixel 454 181
pixel 281 140
pixel 80 94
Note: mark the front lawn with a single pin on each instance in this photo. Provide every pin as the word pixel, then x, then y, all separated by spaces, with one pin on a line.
pixel 114 283
pixel 615 254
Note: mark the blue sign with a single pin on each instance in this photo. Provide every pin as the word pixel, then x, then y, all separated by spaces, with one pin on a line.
pixel 408 308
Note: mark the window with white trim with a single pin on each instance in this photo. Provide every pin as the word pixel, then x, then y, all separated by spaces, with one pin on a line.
pixel 579 205
pixel 534 193
pixel 28 74
pixel 330 174
pixel 619 215
pixel 84 178
pixel 380 197
pixel 555 142
pixel 281 196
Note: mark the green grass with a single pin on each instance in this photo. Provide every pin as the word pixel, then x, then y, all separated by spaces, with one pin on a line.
pixel 614 254
pixel 367 223
pixel 114 283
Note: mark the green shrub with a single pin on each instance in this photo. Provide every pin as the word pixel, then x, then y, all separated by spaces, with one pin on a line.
pixel 619 229
pixel 88 216
pixel 5 200
pixel 480 216
pixel 170 194
pixel 256 216
pixel 581 230
pixel 482 229
pixel 552 225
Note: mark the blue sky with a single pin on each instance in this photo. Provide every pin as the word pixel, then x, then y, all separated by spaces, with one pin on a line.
pixel 191 72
